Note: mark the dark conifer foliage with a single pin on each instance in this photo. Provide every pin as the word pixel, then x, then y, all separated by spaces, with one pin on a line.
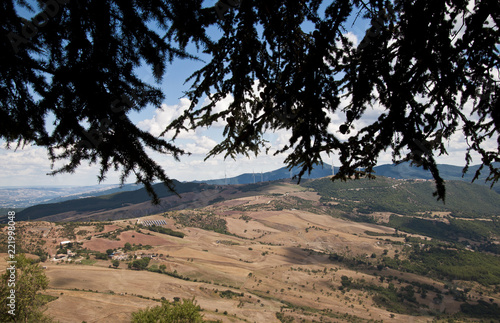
pixel 423 62
pixel 79 66
pixel 413 61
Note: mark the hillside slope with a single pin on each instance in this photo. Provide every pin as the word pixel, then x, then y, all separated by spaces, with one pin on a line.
pixel 114 201
pixel 361 196
pixel 282 253
pixel 408 196
pixel 447 172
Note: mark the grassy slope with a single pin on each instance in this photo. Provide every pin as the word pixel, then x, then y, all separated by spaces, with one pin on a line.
pixel 407 197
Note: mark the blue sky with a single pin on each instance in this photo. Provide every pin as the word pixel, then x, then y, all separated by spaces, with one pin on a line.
pixel 29 166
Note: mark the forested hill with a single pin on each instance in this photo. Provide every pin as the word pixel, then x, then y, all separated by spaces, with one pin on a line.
pixel 408 196
pixel 447 172
pixel 107 202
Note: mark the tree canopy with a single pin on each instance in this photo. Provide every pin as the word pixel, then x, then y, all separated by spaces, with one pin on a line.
pixel 430 67
pixel 26 279
pixel 186 311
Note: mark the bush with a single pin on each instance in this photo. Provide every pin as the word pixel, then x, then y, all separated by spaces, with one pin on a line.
pixel 101 255
pixel 140 264
pixel 186 311
pixel 127 246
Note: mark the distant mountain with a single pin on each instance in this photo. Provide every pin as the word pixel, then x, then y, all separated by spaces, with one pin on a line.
pixel 281 173
pixel 401 171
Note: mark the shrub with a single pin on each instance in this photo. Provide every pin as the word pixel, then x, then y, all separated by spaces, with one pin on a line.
pixel 185 311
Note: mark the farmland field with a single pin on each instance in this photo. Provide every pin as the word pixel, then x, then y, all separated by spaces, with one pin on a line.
pixel 278 254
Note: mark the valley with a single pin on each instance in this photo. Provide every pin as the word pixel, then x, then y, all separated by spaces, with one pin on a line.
pixel 276 252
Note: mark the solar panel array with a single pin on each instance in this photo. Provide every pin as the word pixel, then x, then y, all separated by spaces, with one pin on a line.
pixel 149 223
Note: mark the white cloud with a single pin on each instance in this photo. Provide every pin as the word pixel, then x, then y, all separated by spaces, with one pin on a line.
pixel 163 117
pixel 201 146
pixel 29 167
pixel 352 38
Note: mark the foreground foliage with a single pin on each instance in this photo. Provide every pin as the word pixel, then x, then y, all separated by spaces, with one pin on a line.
pixel 429 68
pixel 178 312
pixel 30 280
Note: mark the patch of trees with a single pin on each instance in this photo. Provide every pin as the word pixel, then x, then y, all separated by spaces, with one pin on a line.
pixel 402 300
pixel 101 255
pixel 482 309
pixel 475 230
pixel 350 262
pixel 163 230
pixel 68 229
pixel 139 264
pixel 284 318
pixel 41 253
pixel 362 215
pixel 230 294
pixel 489 247
pixel 127 246
pixel 380 234
pixel 64 249
pixel 246 218
pixel 216 200
pixel 174 273
pixel 133 247
pixel 203 221
pixel 450 264
pixel 112 235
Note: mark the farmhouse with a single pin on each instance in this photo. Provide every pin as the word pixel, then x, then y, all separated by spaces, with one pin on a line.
pixel 148 255
pixel 119 256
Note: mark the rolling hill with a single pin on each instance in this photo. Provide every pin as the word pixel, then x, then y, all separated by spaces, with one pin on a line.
pixel 385 194
pixel 22 197
pixel 362 196
pixel 282 253
pixel 447 172
pixel 131 203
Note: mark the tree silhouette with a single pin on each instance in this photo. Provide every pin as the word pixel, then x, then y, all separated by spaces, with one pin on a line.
pixel 76 60
pixel 431 69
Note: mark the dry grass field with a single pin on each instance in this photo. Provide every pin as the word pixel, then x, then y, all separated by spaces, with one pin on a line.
pixel 273 261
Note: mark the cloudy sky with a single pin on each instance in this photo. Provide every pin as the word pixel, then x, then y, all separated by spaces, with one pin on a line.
pixel 28 166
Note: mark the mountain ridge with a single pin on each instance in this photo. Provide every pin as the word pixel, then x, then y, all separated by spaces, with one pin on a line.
pixel 401 171
pixel 397 171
